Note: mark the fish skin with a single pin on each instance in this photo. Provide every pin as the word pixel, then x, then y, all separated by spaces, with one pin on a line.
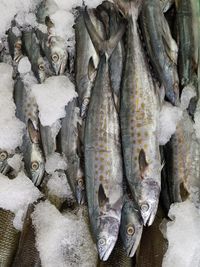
pixel 139 123
pixel 9 237
pixel 161 47
pixel 48 140
pixel 27 254
pixel 69 144
pixel 102 151
pixel 166 4
pixel 112 21
pixel 130 221
pixel 27 111
pixel 86 59
pixel 33 52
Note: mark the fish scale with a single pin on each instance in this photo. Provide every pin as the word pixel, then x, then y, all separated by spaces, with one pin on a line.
pixel 9 237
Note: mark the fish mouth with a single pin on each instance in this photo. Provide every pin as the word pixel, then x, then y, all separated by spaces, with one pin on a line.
pixel 81 197
pixel 105 255
pixel 131 251
pixel 148 218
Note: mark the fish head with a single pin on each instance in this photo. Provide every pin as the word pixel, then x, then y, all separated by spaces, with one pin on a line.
pixel 41 70
pixel 3 161
pixel 107 234
pixel 58 53
pixel 80 189
pixel 131 228
pixel 36 165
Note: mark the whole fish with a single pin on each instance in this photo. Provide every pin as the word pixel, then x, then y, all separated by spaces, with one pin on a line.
pixel 27 254
pixel 32 48
pixel 131 226
pixel 9 238
pixel 161 48
pixel 186 41
pixel 109 14
pixel 86 59
pixel 69 144
pixel 27 111
pixel 102 150
pixel 118 257
pixel 139 121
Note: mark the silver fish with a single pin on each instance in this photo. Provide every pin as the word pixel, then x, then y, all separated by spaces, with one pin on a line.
pixel 33 51
pixel 69 144
pixel 131 226
pixel 161 47
pixel 102 150
pixel 139 122
pixel 27 111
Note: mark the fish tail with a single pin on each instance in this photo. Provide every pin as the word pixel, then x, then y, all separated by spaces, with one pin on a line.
pixel 103 46
pixel 130 7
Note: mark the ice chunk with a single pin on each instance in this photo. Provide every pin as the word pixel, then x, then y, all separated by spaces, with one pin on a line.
pixel 55 162
pixel 52 96
pixel 93 3
pixel 68 5
pixel 187 94
pixel 169 117
pixel 9 8
pixel 58 185
pixel 16 194
pixel 183 236
pixel 63 240
pixel 24 65
pixel 11 127
pixel 16 162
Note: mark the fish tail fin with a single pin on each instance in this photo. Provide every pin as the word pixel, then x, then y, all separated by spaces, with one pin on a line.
pixel 130 7
pixel 103 46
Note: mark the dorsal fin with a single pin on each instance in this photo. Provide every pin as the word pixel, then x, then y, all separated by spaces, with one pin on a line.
pixel 102 198
pixel 143 164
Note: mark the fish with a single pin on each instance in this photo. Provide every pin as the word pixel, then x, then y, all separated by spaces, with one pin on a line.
pixel 153 245
pixel 32 49
pixel 9 238
pixel 139 110
pixel 161 48
pixel 102 149
pixel 27 111
pixel 86 59
pixel 111 18
pixel 4 166
pixel 69 145
pixel 118 256
pixel 131 226
pixel 27 254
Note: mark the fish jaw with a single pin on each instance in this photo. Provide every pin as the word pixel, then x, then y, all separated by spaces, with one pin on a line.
pixel 149 201
pixel 107 236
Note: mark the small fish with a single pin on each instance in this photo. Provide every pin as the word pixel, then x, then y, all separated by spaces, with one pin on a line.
pixel 27 111
pixel 139 111
pixel 131 226
pixel 69 144
pixel 32 48
pixel 54 47
pixel 86 59
pixel 102 149
pixel 27 254
pixel 9 238
pixel 161 47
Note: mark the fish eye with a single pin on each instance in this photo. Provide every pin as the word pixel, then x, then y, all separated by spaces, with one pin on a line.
pixel 102 242
pixel 55 57
pixel 34 165
pixel 41 67
pixel 144 207
pixel 3 155
pixel 80 182
pixel 130 230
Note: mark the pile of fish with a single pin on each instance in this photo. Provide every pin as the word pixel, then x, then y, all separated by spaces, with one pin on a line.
pixel 131 59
